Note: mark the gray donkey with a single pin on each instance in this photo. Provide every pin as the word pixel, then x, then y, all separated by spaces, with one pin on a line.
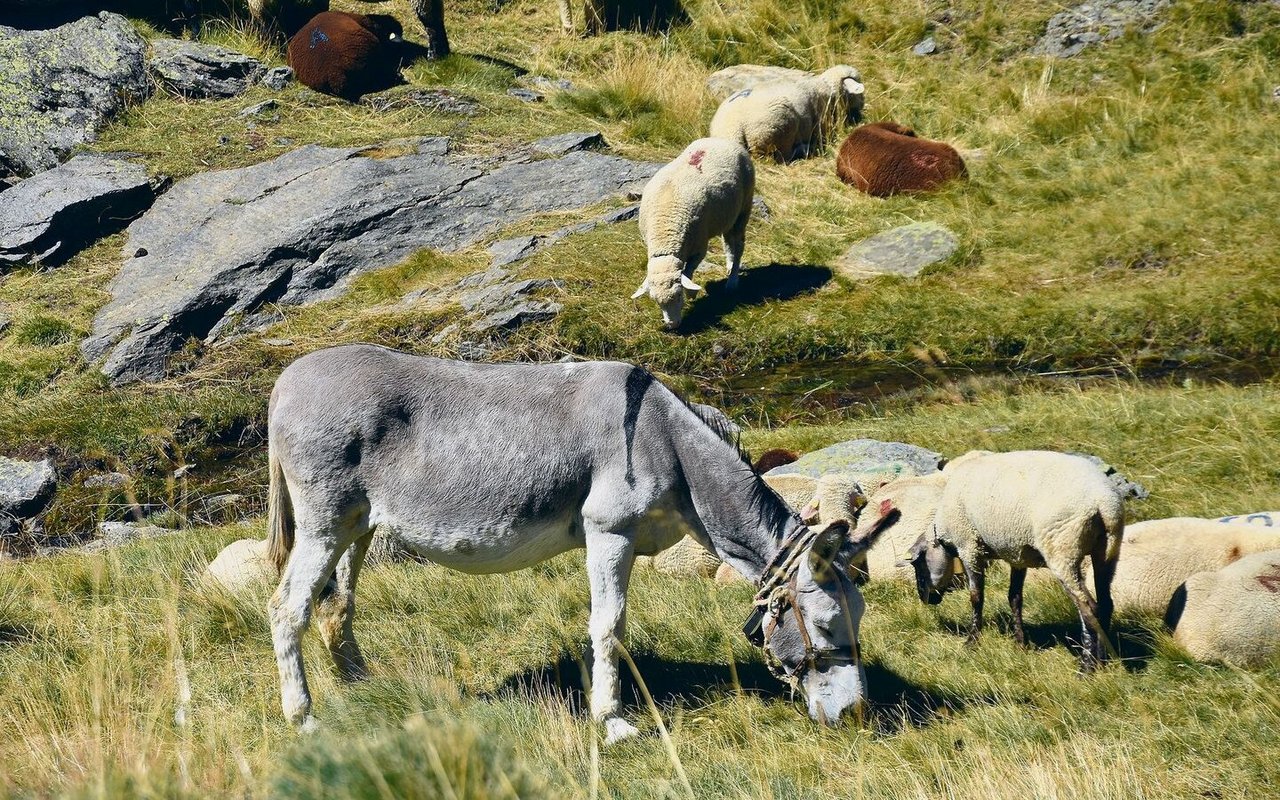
pixel 596 455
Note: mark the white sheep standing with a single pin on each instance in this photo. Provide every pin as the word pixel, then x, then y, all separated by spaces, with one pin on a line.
pixel 1160 554
pixel 706 191
pixel 790 119
pixel 1029 508
pixel 1231 615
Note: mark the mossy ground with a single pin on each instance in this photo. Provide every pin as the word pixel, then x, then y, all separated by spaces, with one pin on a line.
pixel 1120 216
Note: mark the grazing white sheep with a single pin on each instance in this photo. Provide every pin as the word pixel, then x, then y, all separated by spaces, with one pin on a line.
pixel 705 192
pixel 1029 508
pixel 1231 615
pixel 917 499
pixel 790 119
pixel 1160 554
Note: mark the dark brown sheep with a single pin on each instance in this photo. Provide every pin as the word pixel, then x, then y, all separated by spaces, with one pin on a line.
pixel 774 458
pixel 347 55
pixel 885 158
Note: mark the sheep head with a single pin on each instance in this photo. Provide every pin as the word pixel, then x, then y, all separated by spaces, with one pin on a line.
pixel 666 283
pixel 849 93
pixel 936 567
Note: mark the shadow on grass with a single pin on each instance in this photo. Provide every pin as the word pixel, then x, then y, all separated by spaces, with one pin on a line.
pixel 755 286
pixel 1135 642
pixel 895 702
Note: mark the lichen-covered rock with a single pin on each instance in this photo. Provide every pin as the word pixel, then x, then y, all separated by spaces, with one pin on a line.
pixel 26 487
pixel 1231 615
pixel 866 456
pixel 731 80
pixel 1070 31
pixel 905 251
pixel 193 69
pixel 59 87
pixel 50 217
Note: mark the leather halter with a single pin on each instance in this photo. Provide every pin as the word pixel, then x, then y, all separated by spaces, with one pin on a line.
pixel 776 593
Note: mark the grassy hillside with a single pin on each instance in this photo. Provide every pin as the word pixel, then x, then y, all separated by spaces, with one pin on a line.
pixel 1115 292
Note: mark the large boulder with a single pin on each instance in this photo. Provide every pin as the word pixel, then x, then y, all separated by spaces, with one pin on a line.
pixel 59 87
pixel 904 251
pixel 26 487
pixel 734 79
pixel 865 456
pixel 1070 31
pixel 1231 615
pixel 200 70
pixel 49 217
pixel 295 229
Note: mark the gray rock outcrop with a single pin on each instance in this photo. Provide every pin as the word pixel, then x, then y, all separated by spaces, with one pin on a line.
pixel 1071 31
pixel 858 456
pixel 725 82
pixel 200 70
pixel 49 217
pixel 220 245
pixel 26 487
pixel 905 251
pixel 59 87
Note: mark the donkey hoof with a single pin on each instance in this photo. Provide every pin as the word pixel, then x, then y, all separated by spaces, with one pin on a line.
pixel 617 729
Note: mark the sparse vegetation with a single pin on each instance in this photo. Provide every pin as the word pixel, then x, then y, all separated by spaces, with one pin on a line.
pixel 1119 223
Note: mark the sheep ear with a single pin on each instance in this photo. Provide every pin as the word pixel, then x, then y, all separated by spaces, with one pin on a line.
pixel 809 515
pixel 851 86
pixel 644 287
pixel 871 527
pixel 688 283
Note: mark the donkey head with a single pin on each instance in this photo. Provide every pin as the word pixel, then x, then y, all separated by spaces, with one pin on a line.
pixel 812 640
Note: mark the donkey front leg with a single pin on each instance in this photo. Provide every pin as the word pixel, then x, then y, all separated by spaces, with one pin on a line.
pixel 609 559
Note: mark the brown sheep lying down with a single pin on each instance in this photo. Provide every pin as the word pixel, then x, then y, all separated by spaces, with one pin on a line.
pixel 347 55
pixel 885 158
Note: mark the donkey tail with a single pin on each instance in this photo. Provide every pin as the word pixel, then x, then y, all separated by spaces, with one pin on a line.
pixel 280 523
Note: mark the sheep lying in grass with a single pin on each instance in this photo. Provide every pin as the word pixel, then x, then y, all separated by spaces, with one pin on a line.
pixel 885 158
pixel 791 119
pixel 1231 615
pixel 1031 509
pixel 1160 554
pixel 773 458
pixel 706 191
pixel 347 55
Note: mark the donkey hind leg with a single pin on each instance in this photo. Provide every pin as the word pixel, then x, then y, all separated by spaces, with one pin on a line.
pixel 314 557
pixel 1017 576
pixel 1104 571
pixel 609 560
pixel 336 607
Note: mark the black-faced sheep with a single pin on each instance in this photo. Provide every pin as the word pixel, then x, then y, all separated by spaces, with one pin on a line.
pixel 885 158
pixel 706 191
pixel 791 119
pixel 347 55
pixel 1030 509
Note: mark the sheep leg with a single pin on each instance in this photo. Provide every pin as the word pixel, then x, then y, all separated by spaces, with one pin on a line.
pixel 1017 575
pixel 735 241
pixel 977 575
pixel 609 560
pixel 1104 571
pixel 1091 630
pixel 566 16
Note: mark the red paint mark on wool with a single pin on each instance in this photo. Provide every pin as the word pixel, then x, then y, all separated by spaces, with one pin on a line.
pixel 695 158
pixel 1271 582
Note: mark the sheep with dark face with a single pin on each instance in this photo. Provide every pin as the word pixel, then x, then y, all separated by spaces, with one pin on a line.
pixel 885 158
pixel 1030 509
pixel 284 17
pixel 347 55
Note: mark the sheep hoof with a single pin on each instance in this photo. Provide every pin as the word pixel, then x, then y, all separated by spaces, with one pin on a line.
pixel 617 729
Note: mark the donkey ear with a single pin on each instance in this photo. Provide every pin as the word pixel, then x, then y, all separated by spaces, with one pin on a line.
pixel 644 287
pixel 824 551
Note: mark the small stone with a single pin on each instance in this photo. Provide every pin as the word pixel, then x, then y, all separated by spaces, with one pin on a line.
pixel 107 480
pixel 26 487
pixel 5 322
pixel 903 251
pixel 543 82
pixel 277 78
pixel 760 209
pixel 258 108
pixel 564 143
pixel 512 318
pixel 193 69
pixel 445 332
pixel 926 47
pixel 441 100
pixel 278 342
pixel 183 471
pixel 625 214
pixel 526 95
